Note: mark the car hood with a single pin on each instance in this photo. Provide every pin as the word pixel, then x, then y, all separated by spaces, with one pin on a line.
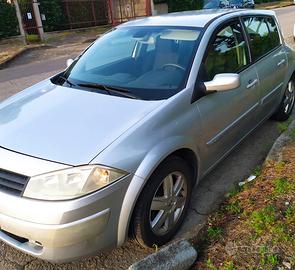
pixel 66 125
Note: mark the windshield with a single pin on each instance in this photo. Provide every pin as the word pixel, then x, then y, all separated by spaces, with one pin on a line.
pixel 151 62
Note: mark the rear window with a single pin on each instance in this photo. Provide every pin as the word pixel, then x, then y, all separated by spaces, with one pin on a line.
pixel 263 34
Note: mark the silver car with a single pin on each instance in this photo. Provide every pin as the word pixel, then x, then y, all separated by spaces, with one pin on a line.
pixel 113 146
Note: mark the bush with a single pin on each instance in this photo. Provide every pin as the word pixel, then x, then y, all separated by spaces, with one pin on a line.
pixel 160 1
pixel 182 5
pixel 55 19
pixel 8 20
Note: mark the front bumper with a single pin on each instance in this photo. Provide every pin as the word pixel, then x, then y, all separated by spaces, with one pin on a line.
pixel 63 230
pixel 44 240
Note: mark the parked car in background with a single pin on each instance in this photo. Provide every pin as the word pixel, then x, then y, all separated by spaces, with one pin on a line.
pixel 113 146
pixel 242 4
pixel 214 4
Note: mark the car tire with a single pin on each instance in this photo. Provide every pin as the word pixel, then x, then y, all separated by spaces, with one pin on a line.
pixel 152 226
pixel 287 104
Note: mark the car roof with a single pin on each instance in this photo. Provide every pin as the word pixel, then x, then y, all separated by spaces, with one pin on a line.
pixel 198 18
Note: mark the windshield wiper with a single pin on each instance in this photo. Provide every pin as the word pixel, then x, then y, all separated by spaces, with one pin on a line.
pixel 110 89
pixel 66 80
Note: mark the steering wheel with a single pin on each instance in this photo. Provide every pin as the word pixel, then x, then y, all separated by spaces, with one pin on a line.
pixel 173 65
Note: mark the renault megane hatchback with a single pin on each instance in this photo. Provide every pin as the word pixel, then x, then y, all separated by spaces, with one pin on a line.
pixel 116 142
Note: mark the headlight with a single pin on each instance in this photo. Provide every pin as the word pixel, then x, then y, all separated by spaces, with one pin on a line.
pixel 71 183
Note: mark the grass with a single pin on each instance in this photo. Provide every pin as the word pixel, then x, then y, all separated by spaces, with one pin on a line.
pixel 214 233
pixel 257 171
pixel 283 126
pixel 234 191
pixel 233 207
pixel 254 228
pixel 262 220
pixel 283 186
pixel 290 214
pixel 32 38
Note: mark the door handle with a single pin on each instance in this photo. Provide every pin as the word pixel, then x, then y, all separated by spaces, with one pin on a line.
pixel 281 62
pixel 252 83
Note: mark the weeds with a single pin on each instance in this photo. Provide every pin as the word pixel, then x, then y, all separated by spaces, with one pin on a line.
pixel 263 219
pixel 233 207
pixel 282 186
pixel 280 166
pixel 283 126
pixel 290 214
pixel 234 191
pixel 257 171
pixel 229 266
pixel 214 233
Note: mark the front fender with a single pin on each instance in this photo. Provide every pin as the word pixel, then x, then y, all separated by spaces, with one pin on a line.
pixel 151 161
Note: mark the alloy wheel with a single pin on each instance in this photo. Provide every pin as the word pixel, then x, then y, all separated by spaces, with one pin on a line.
pixel 289 97
pixel 168 203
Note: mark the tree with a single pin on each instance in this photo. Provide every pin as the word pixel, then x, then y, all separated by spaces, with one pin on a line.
pixel 55 20
pixel 181 5
pixel 8 20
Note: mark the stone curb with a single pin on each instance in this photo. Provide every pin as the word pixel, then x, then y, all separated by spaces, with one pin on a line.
pixel 179 255
pixel 275 152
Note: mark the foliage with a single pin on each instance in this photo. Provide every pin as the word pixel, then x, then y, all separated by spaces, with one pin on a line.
pixel 182 5
pixel 54 15
pixel 283 126
pixel 214 232
pixel 160 1
pixel 283 186
pixel 32 38
pixel 8 20
pixel 261 220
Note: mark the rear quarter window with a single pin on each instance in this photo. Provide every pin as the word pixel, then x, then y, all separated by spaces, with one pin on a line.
pixel 263 34
pixel 274 37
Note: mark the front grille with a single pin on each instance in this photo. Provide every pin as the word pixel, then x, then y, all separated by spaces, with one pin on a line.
pixel 12 183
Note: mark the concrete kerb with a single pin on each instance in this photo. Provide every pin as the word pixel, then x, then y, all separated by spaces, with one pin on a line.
pixel 275 152
pixel 21 52
pixel 179 255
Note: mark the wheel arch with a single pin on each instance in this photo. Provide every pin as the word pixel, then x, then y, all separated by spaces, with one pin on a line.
pixel 150 163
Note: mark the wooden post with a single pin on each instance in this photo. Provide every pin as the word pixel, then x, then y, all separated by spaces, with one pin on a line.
pixel 20 21
pixel 68 14
pixel 111 12
pixel 93 12
pixel 148 7
pixel 38 19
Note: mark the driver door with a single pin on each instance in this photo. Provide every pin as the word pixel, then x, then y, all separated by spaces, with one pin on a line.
pixel 230 115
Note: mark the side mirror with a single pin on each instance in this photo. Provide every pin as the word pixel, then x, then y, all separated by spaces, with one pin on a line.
pixel 69 62
pixel 223 82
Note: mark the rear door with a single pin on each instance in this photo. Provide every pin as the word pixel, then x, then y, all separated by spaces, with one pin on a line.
pixel 227 116
pixel 269 59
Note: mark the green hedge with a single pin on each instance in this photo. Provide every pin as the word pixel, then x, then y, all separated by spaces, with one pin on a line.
pixel 182 5
pixel 8 20
pixel 55 19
